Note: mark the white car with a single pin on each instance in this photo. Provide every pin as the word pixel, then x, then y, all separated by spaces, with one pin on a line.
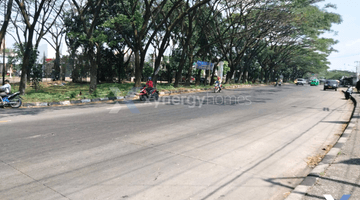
pixel 301 81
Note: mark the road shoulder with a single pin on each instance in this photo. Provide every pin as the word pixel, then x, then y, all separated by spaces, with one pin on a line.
pixel 338 173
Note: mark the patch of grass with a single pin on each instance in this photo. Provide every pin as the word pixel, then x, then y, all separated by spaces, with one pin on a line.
pixel 61 91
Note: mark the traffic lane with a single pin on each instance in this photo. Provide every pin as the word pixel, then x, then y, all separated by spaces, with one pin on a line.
pixel 314 130
pixel 169 137
pixel 59 130
pixel 110 126
pixel 63 127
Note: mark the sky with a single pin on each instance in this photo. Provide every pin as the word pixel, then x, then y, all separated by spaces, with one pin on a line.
pixel 347 34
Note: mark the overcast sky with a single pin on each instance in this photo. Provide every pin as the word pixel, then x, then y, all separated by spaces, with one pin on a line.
pixel 348 35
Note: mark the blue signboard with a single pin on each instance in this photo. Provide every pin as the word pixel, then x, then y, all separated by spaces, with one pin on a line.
pixel 204 65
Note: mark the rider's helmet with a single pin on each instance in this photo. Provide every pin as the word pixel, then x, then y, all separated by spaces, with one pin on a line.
pixel 218 78
pixel 6 81
pixel 149 78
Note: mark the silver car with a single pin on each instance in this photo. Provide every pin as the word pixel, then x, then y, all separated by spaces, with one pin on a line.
pixel 301 81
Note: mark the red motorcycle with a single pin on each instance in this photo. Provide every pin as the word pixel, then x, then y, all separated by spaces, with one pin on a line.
pixel 144 95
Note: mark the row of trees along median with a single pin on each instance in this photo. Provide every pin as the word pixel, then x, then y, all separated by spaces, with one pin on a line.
pixel 258 39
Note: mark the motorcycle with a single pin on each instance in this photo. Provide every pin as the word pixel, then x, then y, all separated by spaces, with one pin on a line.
pixel 217 88
pixel 13 100
pixel 144 94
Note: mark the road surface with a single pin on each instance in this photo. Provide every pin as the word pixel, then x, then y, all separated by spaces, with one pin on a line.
pixel 250 143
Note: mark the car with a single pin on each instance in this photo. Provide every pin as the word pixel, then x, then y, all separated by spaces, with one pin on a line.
pixel 331 84
pixel 301 81
pixel 314 82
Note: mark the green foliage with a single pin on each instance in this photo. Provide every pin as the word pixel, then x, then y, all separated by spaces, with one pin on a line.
pixel 147 71
pixel 95 93
pixel 268 40
pixel 72 95
pixel 111 94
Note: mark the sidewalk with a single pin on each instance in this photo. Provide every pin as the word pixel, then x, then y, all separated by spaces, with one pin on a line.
pixel 338 174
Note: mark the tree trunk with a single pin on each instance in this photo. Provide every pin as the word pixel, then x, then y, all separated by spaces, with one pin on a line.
pixel 180 69
pixel 93 70
pixel 138 69
pixel 121 65
pixel 212 81
pixel 245 74
pixel 198 77
pixel 266 76
pixel 6 21
pixel 229 75
pixel 26 63
pixel 206 77
pixel 189 72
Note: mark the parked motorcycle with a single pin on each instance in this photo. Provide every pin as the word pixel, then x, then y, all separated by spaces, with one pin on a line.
pixel 13 100
pixel 144 94
pixel 217 88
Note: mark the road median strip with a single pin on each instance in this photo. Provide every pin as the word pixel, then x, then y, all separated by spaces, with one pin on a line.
pixel 122 98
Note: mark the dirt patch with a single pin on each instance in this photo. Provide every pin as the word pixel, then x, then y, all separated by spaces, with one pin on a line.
pixel 313 161
pixel 286 194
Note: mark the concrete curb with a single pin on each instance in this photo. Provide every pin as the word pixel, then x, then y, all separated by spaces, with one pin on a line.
pixel 300 191
pixel 120 98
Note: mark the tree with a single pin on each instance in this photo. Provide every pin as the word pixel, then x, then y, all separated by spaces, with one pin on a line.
pixel 33 13
pixel 5 23
pixel 57 33
pixel 89 17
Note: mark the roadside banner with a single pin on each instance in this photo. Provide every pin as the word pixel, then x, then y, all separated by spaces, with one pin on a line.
pixel 204 65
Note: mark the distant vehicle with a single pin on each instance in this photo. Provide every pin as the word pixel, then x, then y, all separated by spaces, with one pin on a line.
pixel 301 81
pixel 314 82
pixel 331 84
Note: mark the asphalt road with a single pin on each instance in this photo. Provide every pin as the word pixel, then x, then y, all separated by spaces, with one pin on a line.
pixel 251 143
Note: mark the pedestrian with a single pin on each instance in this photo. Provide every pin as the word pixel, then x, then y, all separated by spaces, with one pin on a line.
pixel 5 89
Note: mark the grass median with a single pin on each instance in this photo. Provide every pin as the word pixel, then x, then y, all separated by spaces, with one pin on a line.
pixel 63 91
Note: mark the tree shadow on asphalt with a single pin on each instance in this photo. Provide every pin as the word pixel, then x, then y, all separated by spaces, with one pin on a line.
pixel 354 161
pixel 335 122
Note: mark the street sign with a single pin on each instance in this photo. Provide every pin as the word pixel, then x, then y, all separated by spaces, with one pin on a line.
pixel 204 65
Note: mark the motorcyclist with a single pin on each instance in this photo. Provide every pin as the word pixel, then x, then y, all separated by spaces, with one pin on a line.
pixel 149 85
pixel 218 82
pixel 5 89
